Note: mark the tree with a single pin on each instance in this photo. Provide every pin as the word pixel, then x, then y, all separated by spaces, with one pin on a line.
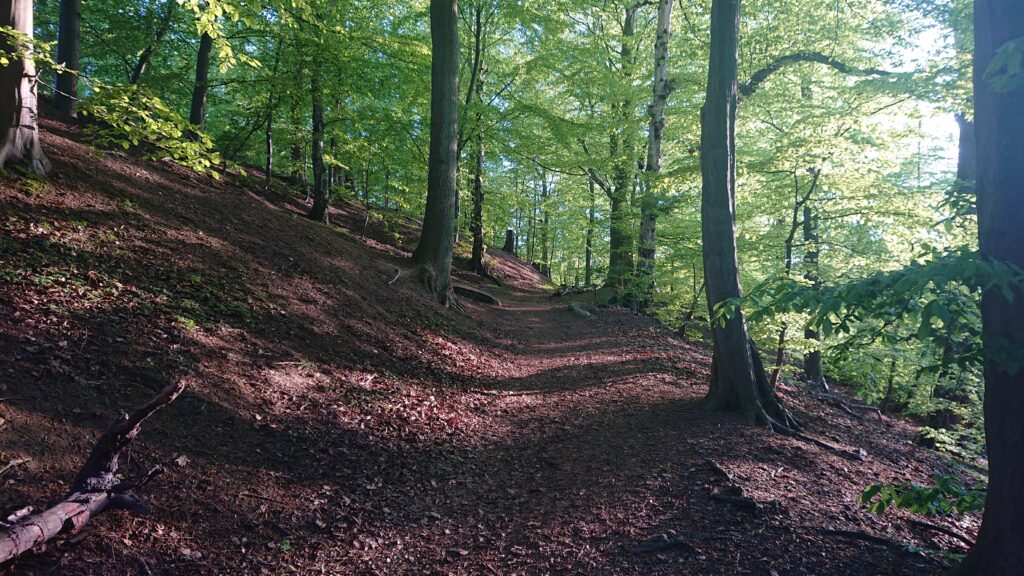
pixel 649 206
pixel 321 188
pixel 19 131
pixel 999 133
pixel 433 254
pixel 68 43
pixel 738 380
pixel 197 111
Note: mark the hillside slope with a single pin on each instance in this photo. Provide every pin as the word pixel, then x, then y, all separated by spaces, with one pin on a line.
pixel 337 425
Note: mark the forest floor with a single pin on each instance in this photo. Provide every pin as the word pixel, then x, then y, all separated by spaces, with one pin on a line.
pixel 334 424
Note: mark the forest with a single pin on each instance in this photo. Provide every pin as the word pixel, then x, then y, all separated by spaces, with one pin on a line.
pixel 512 287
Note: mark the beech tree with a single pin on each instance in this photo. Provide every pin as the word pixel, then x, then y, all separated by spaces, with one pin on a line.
pixel 197 110
pixel 19 131
pixel 650 204
pixel 999 133
pixel 68 45
pixel 738 379
pixel 433 254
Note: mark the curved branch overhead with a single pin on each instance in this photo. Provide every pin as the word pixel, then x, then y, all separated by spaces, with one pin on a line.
pixel 758 78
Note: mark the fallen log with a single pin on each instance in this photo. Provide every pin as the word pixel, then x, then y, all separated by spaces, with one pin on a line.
pixel 94 490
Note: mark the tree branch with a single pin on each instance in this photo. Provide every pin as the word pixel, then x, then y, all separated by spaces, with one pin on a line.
pixel 759 77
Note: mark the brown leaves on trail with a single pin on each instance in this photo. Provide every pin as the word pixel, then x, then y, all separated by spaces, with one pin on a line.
pixel 335 425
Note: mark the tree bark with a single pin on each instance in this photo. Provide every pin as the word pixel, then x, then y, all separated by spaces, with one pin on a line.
pixel 967 157
pixel 620 237
pixel 649 205
pixel 999 130
pixel 19 130
pixel 197 111
pixel 738 381
pixel 510 242
pixel 321 192
pixel 434 251
pixel 68 43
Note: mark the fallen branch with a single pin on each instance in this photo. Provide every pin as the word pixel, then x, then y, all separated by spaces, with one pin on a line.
pixel 94 490
pixel 13 463
pixel 942 530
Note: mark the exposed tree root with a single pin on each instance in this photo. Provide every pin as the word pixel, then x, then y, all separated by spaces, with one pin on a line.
pixel 425 274
pixel 94 490
pixel 942 530
pixel 475 294
pixel 862 536
pixel 733 493
pixel 663 542
pixel 849 408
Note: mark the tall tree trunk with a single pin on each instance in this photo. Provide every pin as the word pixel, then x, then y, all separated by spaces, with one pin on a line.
pixel 588 273
pixel 434 251
pixel 813 367
pixel 68 44
pixel 649 205
pixel 197 112
pixel 620 237
pixel 738 381
pixel 271 103
pixel 999 129
pixel 545 253
pixel 321 192
pixel 476 224
pixel 19 131
pixel 147 53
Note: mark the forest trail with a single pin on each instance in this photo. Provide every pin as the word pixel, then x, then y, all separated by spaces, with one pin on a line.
pixel 336 425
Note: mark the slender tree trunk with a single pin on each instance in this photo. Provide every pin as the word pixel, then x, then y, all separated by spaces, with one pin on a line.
pixel 813 367
pixel 197 112
pixel 68 44
pixel 19 130
pixel 269 135
pixel 999 130
pixel 588 273
pixel 738 380
pixel 321 192
pixel 147 53
pixel 649 207
pixel 437 240
pixel 794 224
pixel 545 254
pixel 967 158
pixel 476 224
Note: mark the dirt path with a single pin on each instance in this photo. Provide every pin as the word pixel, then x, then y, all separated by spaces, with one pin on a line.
pixel 335 425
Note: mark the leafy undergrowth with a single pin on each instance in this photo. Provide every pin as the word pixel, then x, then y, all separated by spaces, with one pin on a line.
pixel 335 424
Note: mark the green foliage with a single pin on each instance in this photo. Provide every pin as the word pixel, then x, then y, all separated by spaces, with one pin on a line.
pixel 128 116
pixel 946 496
